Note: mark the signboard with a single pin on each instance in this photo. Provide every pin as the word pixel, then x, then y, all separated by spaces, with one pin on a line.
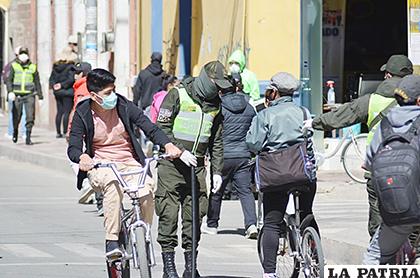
pixel 414 32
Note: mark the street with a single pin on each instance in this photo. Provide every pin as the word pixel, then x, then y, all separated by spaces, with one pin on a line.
pixel 44 232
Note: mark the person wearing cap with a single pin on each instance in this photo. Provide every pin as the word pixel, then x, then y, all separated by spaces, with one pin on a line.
pixel 276 127
pixel 190 116
pixel 72 46
pixel 368 109
pixel 387 240
pixel 149 82
pixel 237 64
pixel 22 86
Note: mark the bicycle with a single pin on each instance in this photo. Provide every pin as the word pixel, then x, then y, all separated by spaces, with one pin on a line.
pixel 352 156
pixel 135 236
pixel 407 254
pixel 298 251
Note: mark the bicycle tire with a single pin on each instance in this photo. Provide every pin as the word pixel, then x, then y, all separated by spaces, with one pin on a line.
pixel 353 158
pixel 286 266
pixel 142 252
pixel 311 243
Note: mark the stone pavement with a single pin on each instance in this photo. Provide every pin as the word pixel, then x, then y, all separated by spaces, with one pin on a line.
pixel 341 206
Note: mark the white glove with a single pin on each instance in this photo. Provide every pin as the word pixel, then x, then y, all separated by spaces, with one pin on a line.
pixel 307 124
pixel 41 102
pixel 217 183
pixel 189 159
pixel 12 96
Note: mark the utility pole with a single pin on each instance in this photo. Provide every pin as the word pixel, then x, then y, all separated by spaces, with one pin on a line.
pixel 91 48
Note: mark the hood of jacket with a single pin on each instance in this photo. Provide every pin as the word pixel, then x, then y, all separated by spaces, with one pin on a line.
pixel 79 83
pixel 402 116
pixel 207 106
pixel 155 68
pixel 388 86
pixel 205 87
pixel 59 68
pixel 234 102
pixel 239 57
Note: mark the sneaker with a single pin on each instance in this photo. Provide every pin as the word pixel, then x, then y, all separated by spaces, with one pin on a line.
pixel 86 196
pixel 59 135
pixel 8 136
pixel 209 230
pixel 113 251
pixel 251 232
pixel 269 275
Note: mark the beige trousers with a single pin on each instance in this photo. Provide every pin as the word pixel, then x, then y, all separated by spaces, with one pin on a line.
pixel 104 180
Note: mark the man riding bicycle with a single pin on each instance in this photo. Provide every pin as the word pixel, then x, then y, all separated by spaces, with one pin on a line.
pixel 104 123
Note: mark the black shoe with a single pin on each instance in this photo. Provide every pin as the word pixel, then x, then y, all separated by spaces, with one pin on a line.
pixel 15 137
pixel 113 251
pixel 59 135
pixel 169 269
pixel 28 138
pixel 188 266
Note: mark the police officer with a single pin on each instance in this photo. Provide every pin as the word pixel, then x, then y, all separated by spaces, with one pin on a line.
pixel 22 86
pixel 369 109
pixel 189 115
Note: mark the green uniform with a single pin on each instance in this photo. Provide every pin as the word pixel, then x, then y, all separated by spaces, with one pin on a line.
pixel 362 110
pixel 193 125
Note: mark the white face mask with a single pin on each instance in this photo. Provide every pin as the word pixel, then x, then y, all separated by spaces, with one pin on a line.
pixel 234 68
pixel 23 57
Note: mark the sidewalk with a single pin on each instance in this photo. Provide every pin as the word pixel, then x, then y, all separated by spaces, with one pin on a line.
pixel 341 206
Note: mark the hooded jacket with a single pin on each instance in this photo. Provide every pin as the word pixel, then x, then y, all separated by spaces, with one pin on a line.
pixel 149 81
pixel 401 119
pixel 356 111
pixel 249 79
pixel 63 74
pixel 237 117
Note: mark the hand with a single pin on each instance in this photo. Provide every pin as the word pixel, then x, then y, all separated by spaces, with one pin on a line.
pixel 217 183
pixel 12 96
pixel 86 163
pixel 307 124
pixel 189 159
pixel 172 150
pixel 57 86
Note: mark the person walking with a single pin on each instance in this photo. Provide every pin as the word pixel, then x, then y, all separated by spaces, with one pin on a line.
pixel 278 127
pixel 237 64
pixel 368 109
pixel 189 116
pixel 237 117
pixel 169 81
pixel 149 82
pixel 61 82
pixel 102 131
pixel 22 86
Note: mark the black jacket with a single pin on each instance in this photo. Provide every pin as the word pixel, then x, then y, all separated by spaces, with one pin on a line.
pixel 83 130
pixel 63 74
pixel 149 81
pixel 237 117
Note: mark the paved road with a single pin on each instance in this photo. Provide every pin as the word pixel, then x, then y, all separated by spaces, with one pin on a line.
pixel 45 233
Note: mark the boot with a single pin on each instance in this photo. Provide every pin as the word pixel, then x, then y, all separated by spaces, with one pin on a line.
pixel 15 136
pixel 28 138
pixel 169 270
pixel 188 266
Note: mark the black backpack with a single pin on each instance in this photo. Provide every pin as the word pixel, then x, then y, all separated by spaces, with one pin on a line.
pixel 396 175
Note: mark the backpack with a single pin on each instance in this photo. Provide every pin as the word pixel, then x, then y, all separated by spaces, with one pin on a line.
pixel 396 175
pixel 156 103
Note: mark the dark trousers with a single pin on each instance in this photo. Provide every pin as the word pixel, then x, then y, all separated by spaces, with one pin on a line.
pixel 274 204
pixel 29 103
pixel 374 216
pixel 237 171
pixel 64 106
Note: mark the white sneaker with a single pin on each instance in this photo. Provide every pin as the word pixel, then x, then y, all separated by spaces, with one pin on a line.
pixel 208 230
pixel 251 232
pixel 8 136
pixel 269 275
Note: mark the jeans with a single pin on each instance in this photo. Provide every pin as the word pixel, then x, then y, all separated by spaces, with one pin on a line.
pixel 236 170
pixel 10 125
pixel 274 204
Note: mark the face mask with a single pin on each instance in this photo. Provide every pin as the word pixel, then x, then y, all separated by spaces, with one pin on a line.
pixel 23 57
pixel 108 102
pixel 234 68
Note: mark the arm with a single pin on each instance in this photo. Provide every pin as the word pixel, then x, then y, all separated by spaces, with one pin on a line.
pixel 38 87
pixel 373 147
pixel 136 90
pixel 9 80
pixel 216 145
pixel 348 114
pixel 257 134
pixel 255 88
pixel 77 133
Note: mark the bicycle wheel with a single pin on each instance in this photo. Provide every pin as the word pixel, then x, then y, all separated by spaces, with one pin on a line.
pixel 287 266
pixel 141 252
pixel 313 257
pixel 353 157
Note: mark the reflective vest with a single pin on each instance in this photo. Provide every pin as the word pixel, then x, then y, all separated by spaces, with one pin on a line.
pixel 192 127
pixel 23 79
pixel 377 104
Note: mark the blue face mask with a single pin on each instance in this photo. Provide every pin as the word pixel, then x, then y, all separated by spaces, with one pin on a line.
pixel 109 102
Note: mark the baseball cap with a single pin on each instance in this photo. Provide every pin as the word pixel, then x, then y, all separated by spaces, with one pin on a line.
pixel 284 82
pixel 83 67
pixel 23 50
pixel 216 71
pixel 398 65
pixel 409 88
pixel 72 39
